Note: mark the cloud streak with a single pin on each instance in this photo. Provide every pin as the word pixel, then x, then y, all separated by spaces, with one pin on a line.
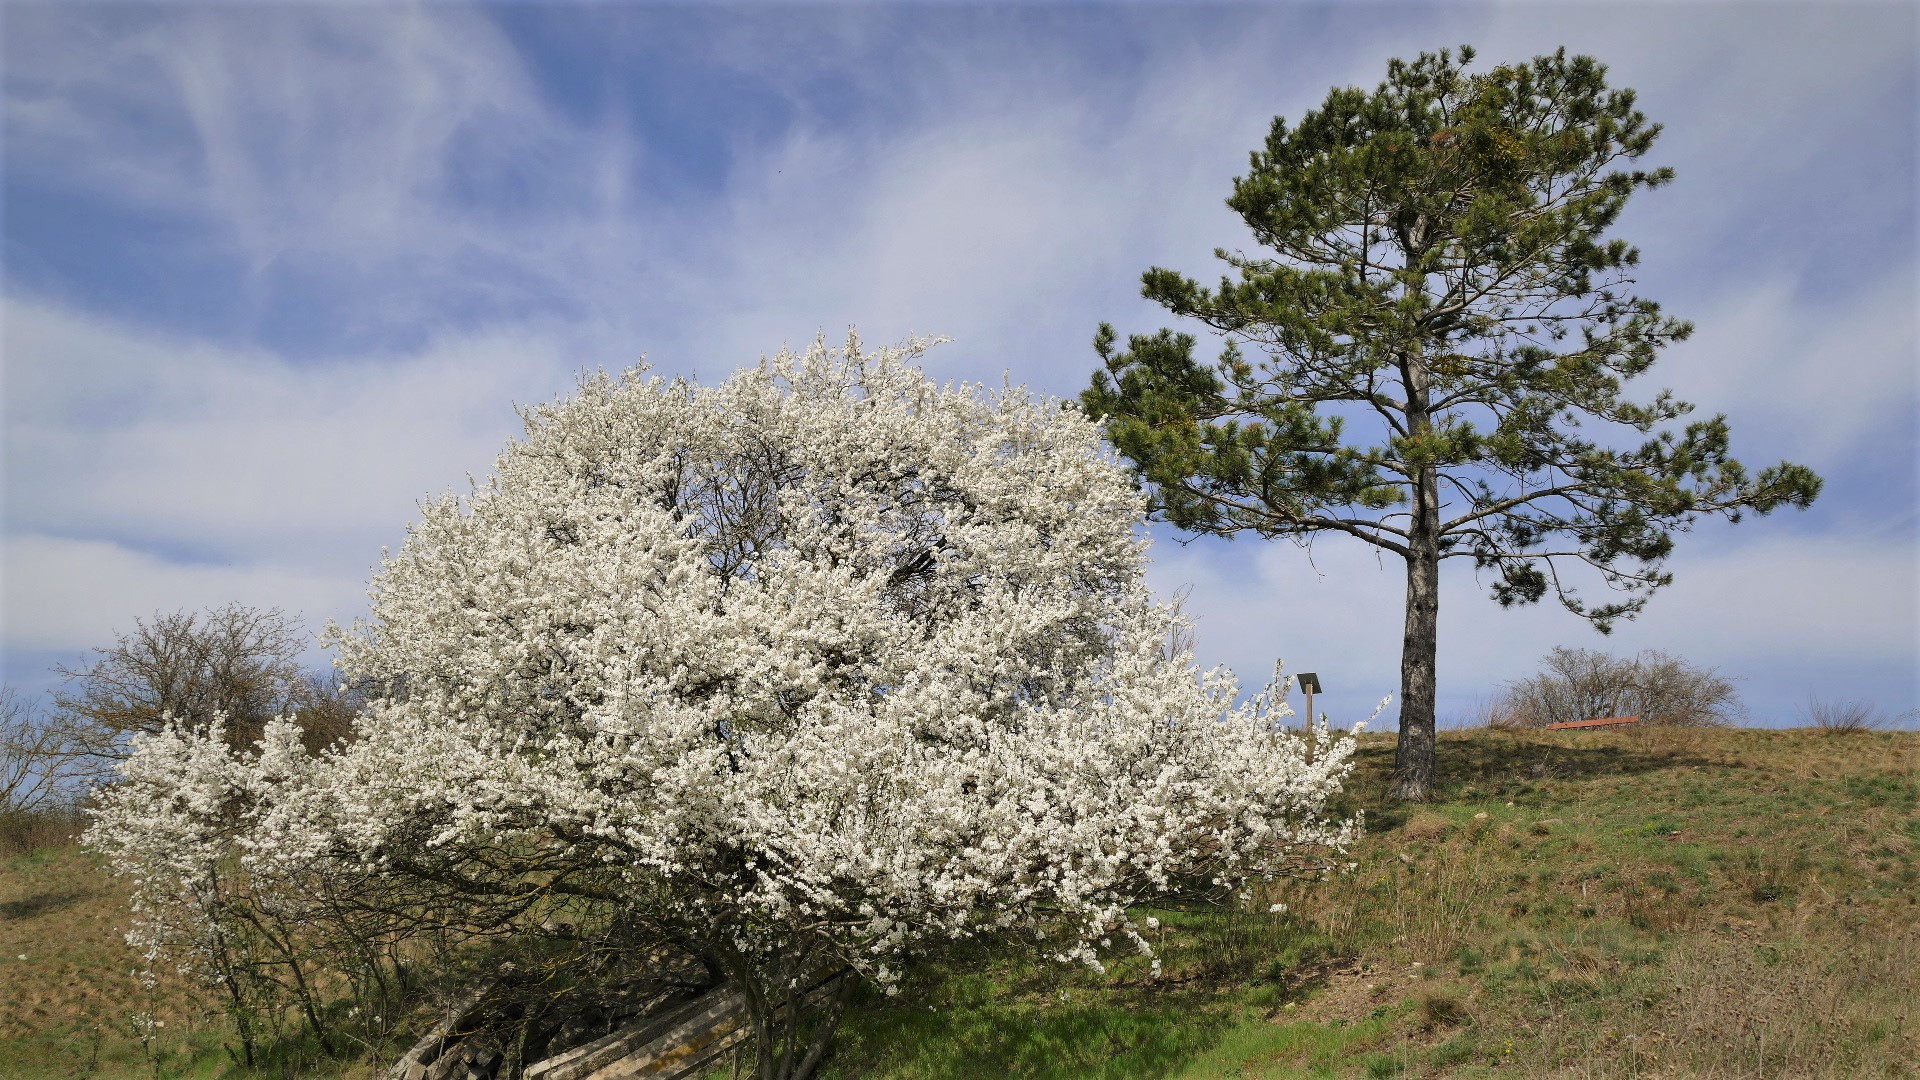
pixel 425 215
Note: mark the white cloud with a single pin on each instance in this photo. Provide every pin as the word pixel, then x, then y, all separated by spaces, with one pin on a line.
pixel 1823 381
pixel 347 143
pixel 325 130
pixel 401 159
pixel 128 433
pixel 66 596
pixel 1012 212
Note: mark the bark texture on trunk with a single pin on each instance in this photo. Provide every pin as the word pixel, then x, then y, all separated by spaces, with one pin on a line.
pixel 1413 761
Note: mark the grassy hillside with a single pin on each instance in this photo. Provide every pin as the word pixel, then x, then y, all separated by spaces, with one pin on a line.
pixel 1711 903
pixel 70 1004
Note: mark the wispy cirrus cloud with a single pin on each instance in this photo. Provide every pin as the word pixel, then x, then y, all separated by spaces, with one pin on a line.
pixel 276 273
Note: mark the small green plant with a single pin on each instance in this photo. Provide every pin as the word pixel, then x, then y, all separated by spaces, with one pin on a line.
pixel 1655 827
pixel 1384 1067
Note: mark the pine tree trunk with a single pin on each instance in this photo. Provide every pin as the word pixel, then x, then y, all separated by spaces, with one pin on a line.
pixel 1419 648
pixel 1413 762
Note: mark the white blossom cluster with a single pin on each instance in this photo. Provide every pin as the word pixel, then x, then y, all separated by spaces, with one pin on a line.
pixel 828 659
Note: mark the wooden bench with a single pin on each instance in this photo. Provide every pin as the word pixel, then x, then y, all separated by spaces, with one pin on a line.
pixel 1604 721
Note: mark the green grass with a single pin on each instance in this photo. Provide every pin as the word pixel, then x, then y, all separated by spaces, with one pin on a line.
pixel 1712 903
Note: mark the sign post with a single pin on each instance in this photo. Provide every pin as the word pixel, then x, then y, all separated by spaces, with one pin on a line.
pixel 1310 683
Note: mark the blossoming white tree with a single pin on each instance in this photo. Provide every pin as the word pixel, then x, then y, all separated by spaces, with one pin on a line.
pixel 816 668
pixel 182 824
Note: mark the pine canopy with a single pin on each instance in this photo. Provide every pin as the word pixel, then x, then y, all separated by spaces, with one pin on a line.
pixel 1434 266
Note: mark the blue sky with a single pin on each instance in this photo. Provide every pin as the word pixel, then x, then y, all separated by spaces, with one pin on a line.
pixel 275 273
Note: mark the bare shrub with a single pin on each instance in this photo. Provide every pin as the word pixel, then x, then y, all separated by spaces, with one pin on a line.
pixel 238 662
pixel 327 709
pixel 1581 684
pixel 49 825
pixel 1501 716
pixel 41 780
pixel 1849 717
pixel 38 768
pixel 1674 693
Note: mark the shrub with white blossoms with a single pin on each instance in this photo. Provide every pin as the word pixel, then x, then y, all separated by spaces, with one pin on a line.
pixel 182 824
pixel 820 667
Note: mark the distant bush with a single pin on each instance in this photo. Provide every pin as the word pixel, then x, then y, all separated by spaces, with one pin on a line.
pixel 1849 717
pixel 42 761
pixel 237 662
pixel 23 832
pixel 1581 684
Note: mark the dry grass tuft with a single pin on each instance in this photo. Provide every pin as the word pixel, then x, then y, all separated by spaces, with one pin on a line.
pixel 1426 825
pixel 1441 1008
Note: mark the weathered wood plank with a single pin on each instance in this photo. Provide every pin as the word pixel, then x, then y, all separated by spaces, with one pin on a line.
pixel 583 1059
pixel 678 1050
pixel 413 1065
pixel 670 1046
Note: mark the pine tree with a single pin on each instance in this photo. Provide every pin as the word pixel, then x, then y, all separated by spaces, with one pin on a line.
pixel 1436 269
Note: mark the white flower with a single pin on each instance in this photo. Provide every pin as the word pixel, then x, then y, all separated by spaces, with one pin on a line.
pixel 829 651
